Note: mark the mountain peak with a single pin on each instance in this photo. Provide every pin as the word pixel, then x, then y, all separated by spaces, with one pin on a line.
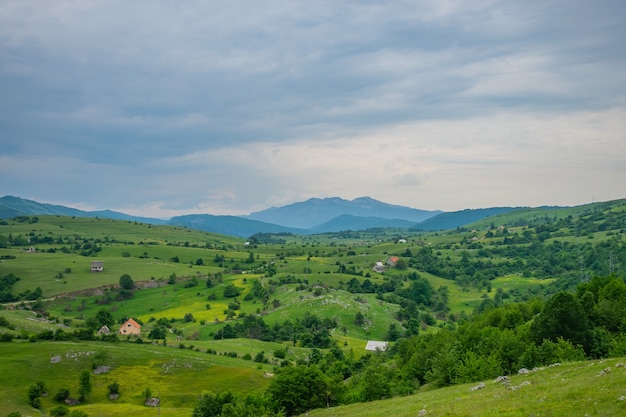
pixel 316 211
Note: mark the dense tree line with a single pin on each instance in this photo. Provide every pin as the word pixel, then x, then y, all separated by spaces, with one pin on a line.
pixel 309 331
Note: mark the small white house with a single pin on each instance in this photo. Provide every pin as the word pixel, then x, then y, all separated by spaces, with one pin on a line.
pixel 97 266
pixel 379 267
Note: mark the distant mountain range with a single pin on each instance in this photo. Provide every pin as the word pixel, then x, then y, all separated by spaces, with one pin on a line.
pixel 308 217
pixel 317 211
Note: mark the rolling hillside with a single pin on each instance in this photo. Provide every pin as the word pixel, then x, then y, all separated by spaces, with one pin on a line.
pixel 289 302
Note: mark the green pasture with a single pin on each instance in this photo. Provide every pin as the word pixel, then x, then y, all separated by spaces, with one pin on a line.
pixel 26 321
pixel 42 270
pixel 178 376
pixel 116 230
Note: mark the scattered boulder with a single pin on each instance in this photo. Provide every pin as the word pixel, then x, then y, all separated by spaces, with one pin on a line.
pixel 71 401
pixel 477 387
pixel 101 370
pixel 502 378
pixel 55 359
pixel 114 397
pixel 152 402
pixel 604 371
pixel 554 365
pixel 516 387
pixel 523 371
pixel 421 413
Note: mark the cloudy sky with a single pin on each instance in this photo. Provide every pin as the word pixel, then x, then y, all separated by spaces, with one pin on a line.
pixel 162 108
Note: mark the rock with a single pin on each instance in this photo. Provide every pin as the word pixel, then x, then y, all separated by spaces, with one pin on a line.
pixel 101 370
pixel 604 371
pixel 554 365
pixel 477 387
pixel 55 359
pixel 152 402
pixel 523 371
pixel 421 413
pixel 502 378
pixel 71 401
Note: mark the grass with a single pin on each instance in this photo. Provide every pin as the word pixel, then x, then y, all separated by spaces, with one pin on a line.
pixel 146 253
pixel 572 389
pixel 178 376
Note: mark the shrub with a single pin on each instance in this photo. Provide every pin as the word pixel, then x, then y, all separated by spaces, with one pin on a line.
pixel 62 395
pixel 59 411
pixel 114 388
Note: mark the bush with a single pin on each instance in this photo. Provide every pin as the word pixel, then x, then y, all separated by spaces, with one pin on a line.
pixel 62 395
pixel 60 411
pixel 114 388
pixel 231 291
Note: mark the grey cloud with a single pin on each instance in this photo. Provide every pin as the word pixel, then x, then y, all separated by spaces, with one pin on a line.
pixel 119 85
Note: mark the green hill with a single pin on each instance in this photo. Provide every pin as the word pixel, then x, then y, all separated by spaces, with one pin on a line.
pixel 458 306
pixel 570 389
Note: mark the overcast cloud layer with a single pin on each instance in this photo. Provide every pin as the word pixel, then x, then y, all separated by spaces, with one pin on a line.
pixel 157 108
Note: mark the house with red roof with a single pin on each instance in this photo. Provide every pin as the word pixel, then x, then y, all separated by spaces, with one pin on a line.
pixel 130 327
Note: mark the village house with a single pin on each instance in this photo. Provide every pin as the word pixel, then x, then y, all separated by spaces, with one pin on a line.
pixel 379 267
pixel 97 266
pixel 392 260
pixel 104 330
pixel 130 327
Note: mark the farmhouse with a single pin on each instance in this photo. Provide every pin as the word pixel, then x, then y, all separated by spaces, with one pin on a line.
pixel 104 330
pixel 374 346
pixel 379 267
pixel 97 266
pixel 130 327
pixel 392 260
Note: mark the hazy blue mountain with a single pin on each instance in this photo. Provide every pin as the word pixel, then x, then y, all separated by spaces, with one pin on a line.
pixel 231 225
pixel 317 211
pixel 350 222
pixel 454 219
pixel 15 206
pixel 312 216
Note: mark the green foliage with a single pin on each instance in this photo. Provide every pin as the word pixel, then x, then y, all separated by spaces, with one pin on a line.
pixel 211 405
pixel 231 291
pixel 6 284
pixel 84 385
pixel 59 411
pixel 62 394
pixel 126 282
pixel 298 389
pixel 562 317
pixel 35 391
pixel 114 388
pixel 158 332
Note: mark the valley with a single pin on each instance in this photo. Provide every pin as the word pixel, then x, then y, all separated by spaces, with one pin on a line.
pixel 223 314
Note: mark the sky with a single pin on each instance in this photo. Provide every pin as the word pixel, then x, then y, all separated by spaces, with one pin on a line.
pixel 159 108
